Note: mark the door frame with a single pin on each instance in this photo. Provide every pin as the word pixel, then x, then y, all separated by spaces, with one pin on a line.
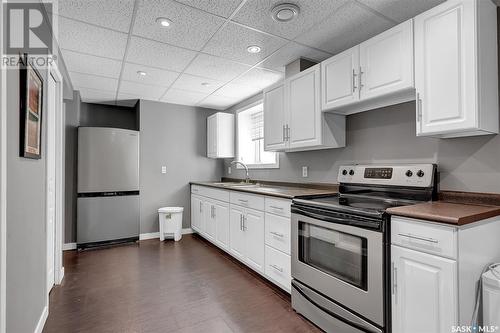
pixel 59 120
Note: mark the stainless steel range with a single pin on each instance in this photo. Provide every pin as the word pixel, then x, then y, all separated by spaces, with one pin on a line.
pixel 340 245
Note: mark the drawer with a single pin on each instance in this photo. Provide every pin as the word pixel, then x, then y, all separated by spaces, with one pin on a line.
pixel 247 200
pixel 210 192
pixel 278 268
pixel 278 206
pixel 278 230
pixel 424 236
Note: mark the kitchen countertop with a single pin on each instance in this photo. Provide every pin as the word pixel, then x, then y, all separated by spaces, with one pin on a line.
pixel 279 189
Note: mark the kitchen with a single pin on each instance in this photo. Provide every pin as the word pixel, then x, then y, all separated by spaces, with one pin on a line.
pixel 321 165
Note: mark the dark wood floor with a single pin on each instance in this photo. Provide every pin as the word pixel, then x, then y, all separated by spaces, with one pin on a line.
pixel 188 286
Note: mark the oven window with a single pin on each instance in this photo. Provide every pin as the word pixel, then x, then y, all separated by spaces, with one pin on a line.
pixel 341 255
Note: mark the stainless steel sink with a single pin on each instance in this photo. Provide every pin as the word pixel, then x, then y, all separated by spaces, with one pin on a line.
pixel 238 184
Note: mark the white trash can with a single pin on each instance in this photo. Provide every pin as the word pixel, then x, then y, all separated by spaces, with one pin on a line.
pixel 170 219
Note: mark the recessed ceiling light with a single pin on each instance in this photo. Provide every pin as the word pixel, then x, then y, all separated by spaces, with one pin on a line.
pixel 285 12
pixel 163 21
pixel 141 73
pixel 206 84
pixel 253 49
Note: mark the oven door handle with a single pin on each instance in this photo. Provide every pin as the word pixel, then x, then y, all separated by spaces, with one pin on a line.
pixel 331 219
pixel 336 316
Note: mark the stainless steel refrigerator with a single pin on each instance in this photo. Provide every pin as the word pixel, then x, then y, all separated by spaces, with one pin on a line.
pixel 108 186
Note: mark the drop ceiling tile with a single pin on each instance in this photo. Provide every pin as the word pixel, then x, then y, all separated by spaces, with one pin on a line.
pixel 218 102
pixel 257 14
pixel 154 76
pixel 237 91
pixel 89 64
pixel 401 10
pixel 93 81
pixel 96 95
pixel 218 7
pixel 144 91
pixel 290 52
pixel 231 42
pixel 113 14
pixel 215 68
pixel 86 38
pixel 196 83
pixel 259 78
pixel 190 28
pixel 155 54
pixel 350 25
pixel 184 97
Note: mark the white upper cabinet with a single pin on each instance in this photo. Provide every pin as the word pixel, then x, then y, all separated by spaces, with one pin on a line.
pixel 376 73
pixel 456 74
pixel 339 76
pixel 220 135
pixel 293 120
pixel 386 62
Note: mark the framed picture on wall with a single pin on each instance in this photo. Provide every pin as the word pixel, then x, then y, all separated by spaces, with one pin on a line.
pixel 31 107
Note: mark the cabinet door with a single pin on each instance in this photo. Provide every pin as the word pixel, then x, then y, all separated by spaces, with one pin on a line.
pixel 221 214
pixel 253 225
pixel 210 226
pixel 339 79
pixel 274 118
pixel 196 213
pixel 212 136
pixel 302 100
pixel 445 68
pixel 386 62
pixel 424 292
pixel 236 232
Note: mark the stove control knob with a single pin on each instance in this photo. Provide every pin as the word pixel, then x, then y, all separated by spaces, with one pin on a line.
pixel 344 172
pixel 351 172
pixel 409 173
pixel 420 173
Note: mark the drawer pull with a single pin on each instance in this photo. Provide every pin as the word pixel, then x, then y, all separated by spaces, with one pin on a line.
pixel 430 240
pixel 277 234
pixel 279 269
pixel 276 207
pixel 244 201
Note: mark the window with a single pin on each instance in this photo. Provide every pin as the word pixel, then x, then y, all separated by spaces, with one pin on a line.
pixel 250 131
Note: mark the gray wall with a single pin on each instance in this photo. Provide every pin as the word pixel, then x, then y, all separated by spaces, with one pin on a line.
pixel 72 109
pixel 174 136
pixel 102 115
pixel 388 135
pixel 26 229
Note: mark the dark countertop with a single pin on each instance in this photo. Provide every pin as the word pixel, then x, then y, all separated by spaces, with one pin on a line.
pixel 279 189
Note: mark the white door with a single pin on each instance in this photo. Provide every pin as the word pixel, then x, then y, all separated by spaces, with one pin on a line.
pixel 236 232
pixel 302 100
pixel 212 136
pixel 221 212
pixel 209 220
pixel 253 225
pixel 386 62
pixel 424 292
pixel 50 117
pixel 196 209
pixel 274 118
pixel 444 68
pixel 339 79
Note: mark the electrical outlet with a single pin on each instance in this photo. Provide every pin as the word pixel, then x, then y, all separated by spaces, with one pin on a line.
pixel 304 171
pixel 164 169
pixel 229 170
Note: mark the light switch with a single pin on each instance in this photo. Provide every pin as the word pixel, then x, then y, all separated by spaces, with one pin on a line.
pixel 164 169
pixel 304 171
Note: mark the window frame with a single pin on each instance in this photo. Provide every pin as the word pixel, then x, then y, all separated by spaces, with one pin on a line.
pixel 275 165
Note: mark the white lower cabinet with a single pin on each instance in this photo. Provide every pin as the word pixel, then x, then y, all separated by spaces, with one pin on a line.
pixel 278 267
pixel 209 219
pixel 221 215
pixel 197 213
pixel 424 295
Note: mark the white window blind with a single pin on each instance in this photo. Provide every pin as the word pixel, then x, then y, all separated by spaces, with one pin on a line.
pixel 257 119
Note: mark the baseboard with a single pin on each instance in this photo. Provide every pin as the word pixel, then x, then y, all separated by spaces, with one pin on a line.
pixel 153 235
pixel 69 246
pixel 42 320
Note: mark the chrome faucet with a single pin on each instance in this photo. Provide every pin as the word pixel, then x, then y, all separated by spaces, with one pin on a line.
pixel 247 178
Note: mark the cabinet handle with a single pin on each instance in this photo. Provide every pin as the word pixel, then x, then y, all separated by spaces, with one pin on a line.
pixel 279 269
pixel 354 80
pixel 243 201
pixel 287 133
pixel 361 85
pixel 419 108
pixel 394 281
pixel 215 209
pixel 241 222
pixel 276 207
pixel 201 206
pixel 277 234
pixel 425 239
pixel 284 133
pixel 244 222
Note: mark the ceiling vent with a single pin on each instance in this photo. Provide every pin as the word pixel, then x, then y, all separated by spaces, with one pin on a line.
pixel 285 12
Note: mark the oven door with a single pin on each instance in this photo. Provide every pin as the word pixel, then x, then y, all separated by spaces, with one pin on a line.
pixel 337 257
